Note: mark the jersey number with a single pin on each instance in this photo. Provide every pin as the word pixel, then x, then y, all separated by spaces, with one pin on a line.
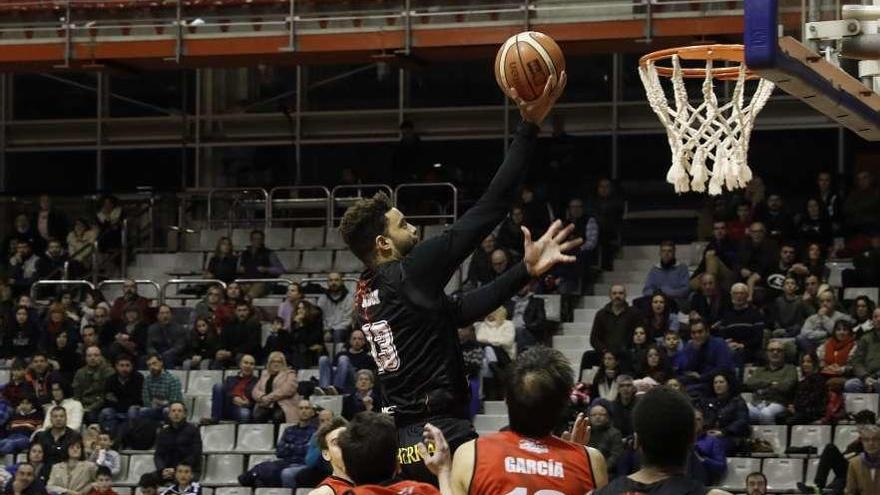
pixel 524 491
pixel 382 346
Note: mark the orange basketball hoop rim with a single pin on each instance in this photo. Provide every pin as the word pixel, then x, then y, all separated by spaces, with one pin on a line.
pixel 721 53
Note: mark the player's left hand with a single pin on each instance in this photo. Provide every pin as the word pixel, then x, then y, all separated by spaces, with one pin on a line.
pixel 580 432
pixel 542 255
pixel 440 460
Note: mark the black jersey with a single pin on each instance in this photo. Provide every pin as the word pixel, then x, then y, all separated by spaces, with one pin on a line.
pixel 411 324
pixel 676 485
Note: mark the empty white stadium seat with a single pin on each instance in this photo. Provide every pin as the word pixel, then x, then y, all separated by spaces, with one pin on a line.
pixel 289 260
pixel 844 435
pixel 331 402
pixel 308 237
pixel 255 459
pixel 138 465
pixel 181 375
pixel 783 474
pixel 233 490
pixel 776 435
pixel 278 238
pixel 346 261
pixel 272 491
pixel 737 470
pixel 490 422
pixel 861 402
pixel 223 469
pixel 334 240
pixel 201 408
pixel 812 467
pixel 255 438
pixel 815 435
pixel 123 469
pixel 218 438
pixel 201 382
pixel 316 261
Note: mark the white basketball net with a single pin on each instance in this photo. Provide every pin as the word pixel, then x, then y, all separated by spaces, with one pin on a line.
pixel 708 133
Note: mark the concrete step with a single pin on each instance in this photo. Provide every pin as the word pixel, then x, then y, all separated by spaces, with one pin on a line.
pixel 573 356
pixel 591 302
pixel 585 316
pixel 490 422
pixel 570 342
pixel 620 276
pixel 576 327
pixel 495 407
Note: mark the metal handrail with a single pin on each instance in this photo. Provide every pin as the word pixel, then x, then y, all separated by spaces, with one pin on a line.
pixel 120 281
pixel 39 283
pixel 334 197
pixel 413 185
pixel 187 281
pixel 297 202
pixel 241 190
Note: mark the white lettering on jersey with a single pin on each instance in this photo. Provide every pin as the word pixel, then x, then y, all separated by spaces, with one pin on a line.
pixel 533 446
pixel 519 465
pixel 371 299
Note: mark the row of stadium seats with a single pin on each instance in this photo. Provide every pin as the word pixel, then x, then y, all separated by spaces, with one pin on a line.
pixel 783 474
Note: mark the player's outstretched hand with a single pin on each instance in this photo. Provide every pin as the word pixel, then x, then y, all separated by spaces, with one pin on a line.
pixel 543 254
pixel 580 432
pixel 438 461
pixel 536 111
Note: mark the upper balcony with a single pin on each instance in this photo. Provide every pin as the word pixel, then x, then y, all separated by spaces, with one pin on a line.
pixel 156 34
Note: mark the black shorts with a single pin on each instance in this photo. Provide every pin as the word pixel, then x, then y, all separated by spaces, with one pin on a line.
pixel 456 430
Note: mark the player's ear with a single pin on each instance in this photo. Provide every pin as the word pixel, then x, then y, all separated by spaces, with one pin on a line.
pixel 325 454
pixel 383 244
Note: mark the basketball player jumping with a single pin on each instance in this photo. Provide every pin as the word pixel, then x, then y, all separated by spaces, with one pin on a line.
pixel 401 306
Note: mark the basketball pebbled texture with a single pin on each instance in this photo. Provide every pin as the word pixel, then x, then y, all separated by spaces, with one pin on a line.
pixel 525 61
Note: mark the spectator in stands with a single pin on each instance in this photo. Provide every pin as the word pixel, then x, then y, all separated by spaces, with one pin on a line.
pixel 529 317
pixel 25 481
pixel 34 457
pixel 212 307
pixel 166 337
pixel 80 242
pixel 55 324
pixel 25 421
pixel 480 269
pixel 812 286
pixel 290 451
pixel 109 222
pixel 709 301
pixel 21 231
pixel 655 366
pixel 339 374
pixel 75 475
pixel 605 380
pixel 201 346
pixel 496 330
pixel 183 482
pixel 785 266
pixel 819 326
pixel 337 306
pixel 808 404
pixel 90 382
pixel 61 396
pixel 278 340
pixel 833 460
pixel 789 311
pixel 860 312
pixel 51 266
pixel 773 386
pixel 537 214
pixel 866 360
pixel 719 258
pixel 308 335
pixel 574 276
pixel 258 261
pixel 622 406
pixel 669 276
pixel 90 301
pixel 21 335
pixel 364 398
pixel 177 442
pixel 104 456
pixel 742 326
pixel 223 264
pixel 499 261
pixel 756 483
pixel 510 236
pixel 861 476
pixel 328 441
pixel 18 386
pixel 287 308
pixel 660 317
pixel 775 217
pixel 836 353
pixel 131 339
pixel 862 207
pixel 128 298
pixel 148 484
pixel 866 264
pixel 607 205
pixel 55 439
pixel 49 222
pixel 672 346
pixel 708 460
pixel 275 394
pixel 613 325
pixel 637 350
pixel 757 256
pixel 240 336
pixel 89 338
pixel 725 412
pixel 103 482
pixel 604 437
pixel 124 394
pixel 738 228
pixel 23 268
pixel 702 358
pixel 233 399
pixel 829 200
pixel 814 226
pixel 41 377
pixel 161 389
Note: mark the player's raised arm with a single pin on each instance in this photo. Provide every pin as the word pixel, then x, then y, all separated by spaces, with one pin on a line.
pixel 430 264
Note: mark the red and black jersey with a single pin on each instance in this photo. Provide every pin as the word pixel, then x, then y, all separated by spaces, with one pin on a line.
pixel 508 462
pixel 337 484
pixel 405 487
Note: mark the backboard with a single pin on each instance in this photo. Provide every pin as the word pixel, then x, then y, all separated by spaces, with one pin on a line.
pixel 810 70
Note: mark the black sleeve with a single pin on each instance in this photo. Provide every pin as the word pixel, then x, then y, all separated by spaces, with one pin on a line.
pixel 476 304
pixel 429 266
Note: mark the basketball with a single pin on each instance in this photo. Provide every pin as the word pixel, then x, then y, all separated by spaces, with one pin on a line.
pixel 525 61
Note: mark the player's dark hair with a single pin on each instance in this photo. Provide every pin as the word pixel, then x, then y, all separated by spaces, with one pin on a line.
pixel 663 421
pixel 369 448
pixel 361 224
pixel 538 388
pixel 321 435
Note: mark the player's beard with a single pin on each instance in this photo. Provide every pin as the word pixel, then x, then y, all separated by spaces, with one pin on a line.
pixel 404 246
